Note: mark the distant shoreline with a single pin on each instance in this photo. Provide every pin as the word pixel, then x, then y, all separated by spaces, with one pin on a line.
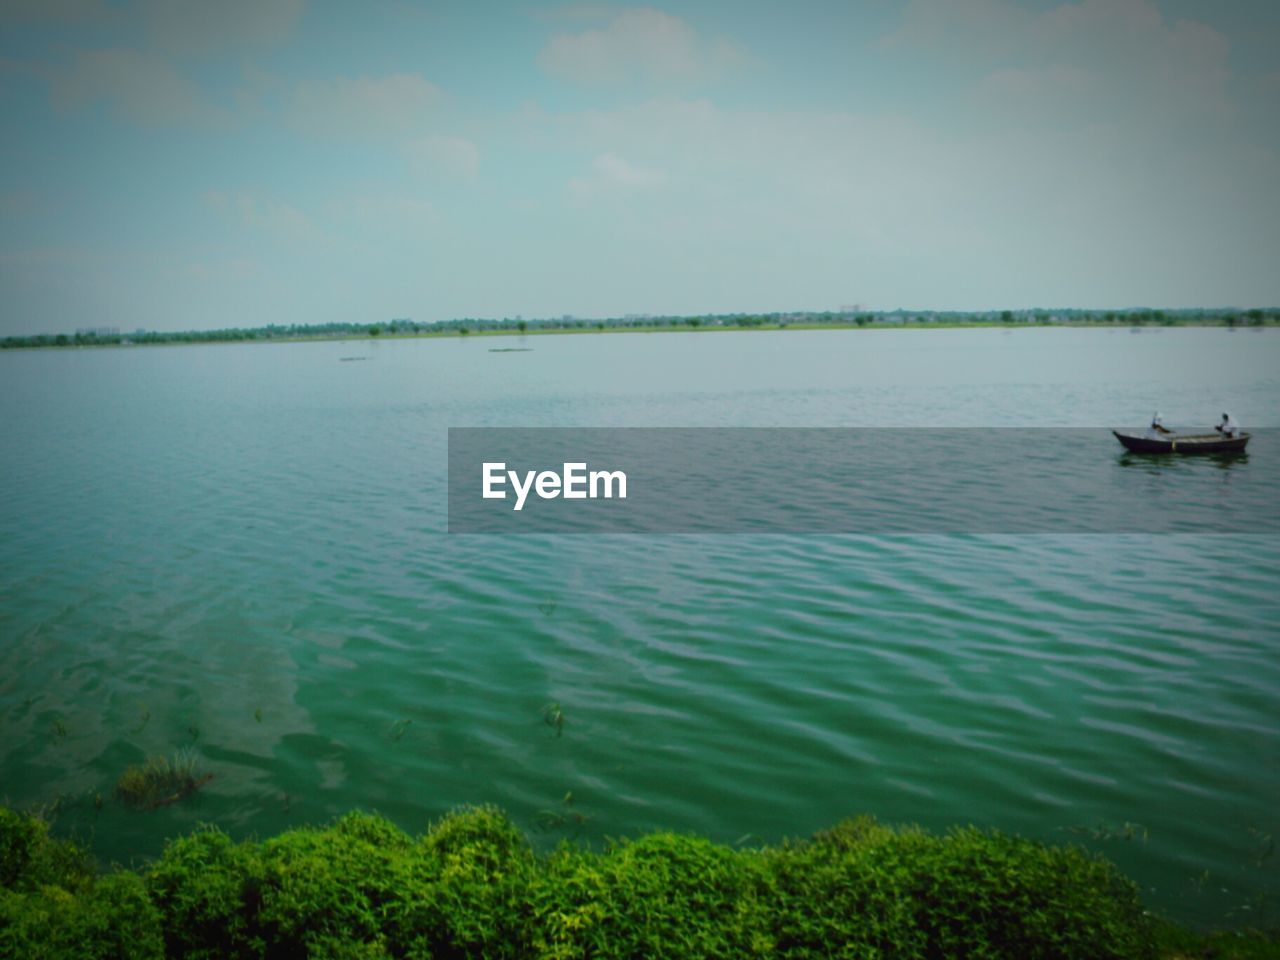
pixel 374 333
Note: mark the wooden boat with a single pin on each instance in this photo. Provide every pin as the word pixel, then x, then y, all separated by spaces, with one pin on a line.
pixel 1179 443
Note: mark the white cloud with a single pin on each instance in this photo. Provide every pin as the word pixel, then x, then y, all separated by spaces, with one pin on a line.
pixel 52 11
pixel 258 93
pixel 142 84
pixel 455 156
pixel 1090 16
pixel 1088 60
pixel 1263 93
pixel 385 211
pixel 18 203
pixel 393 106
pixel 230 270
pixel 1052 91
pixel 139 87
pixel 616 170
pixel 769 201
pixel 611 175
pixel 200 26
pixel 575 11
pixel 639 44
pixel 281 220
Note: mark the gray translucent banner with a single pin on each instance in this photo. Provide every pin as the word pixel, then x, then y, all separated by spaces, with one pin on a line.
pixel 850 481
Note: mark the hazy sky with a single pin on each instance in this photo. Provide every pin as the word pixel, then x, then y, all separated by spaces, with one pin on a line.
pixel 190 164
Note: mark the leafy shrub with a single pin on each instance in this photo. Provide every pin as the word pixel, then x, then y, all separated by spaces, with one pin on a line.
pixel 832 891
pixel 905 893
pixel 978 894
pixel 467 890
pixel 19 836
pixel 51 905
pixel 361 889
pixel 30 858
pixel 324 887
pixel 662 895
pixel 209 892
pixel 1177 942
pixel 112 919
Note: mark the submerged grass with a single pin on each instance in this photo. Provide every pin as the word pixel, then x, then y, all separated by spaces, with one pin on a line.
pixel 160 781
pixel 472 886
pixel 553 716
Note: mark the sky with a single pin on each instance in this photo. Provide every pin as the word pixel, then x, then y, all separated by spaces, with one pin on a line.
pixel 189 165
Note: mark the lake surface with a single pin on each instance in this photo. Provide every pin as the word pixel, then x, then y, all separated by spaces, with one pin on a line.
pixel 240 549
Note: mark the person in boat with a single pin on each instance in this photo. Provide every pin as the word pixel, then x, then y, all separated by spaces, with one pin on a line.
pixel 1157 430
pixel 1228 427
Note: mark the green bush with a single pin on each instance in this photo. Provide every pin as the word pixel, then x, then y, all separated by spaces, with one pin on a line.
pixel 978 895
pixel 467 890
pixel 112 918
pixel 322 887
pixel 663 895
pixel 1179 943
pixel 52 905
pixel 835 890
pixel 471 886
pixel 209 893
pixel 20 839
pixel 30 858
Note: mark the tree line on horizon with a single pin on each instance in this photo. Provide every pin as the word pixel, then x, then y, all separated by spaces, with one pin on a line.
pixel 402 327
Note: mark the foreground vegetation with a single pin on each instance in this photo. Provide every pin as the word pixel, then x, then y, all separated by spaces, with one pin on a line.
pixel 473 887
pixel 400 328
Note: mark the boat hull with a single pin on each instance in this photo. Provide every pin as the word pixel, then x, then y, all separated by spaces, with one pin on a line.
pixel 1191 444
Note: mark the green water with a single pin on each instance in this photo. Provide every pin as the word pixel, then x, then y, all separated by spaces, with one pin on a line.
pixel 240 549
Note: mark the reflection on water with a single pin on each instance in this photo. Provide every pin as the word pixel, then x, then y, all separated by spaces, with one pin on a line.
pixel 1172 463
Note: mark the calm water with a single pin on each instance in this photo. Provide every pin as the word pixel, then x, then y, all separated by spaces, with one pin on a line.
pixel 240 549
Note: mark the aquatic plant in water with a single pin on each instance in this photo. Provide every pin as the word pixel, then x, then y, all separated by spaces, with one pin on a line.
pixel 160 781
pixel 554 818
pixel 553 716
pixel 1106 831
pixel 1264 846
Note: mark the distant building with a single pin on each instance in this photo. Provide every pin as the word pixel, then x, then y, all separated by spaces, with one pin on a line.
pixel 98 332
